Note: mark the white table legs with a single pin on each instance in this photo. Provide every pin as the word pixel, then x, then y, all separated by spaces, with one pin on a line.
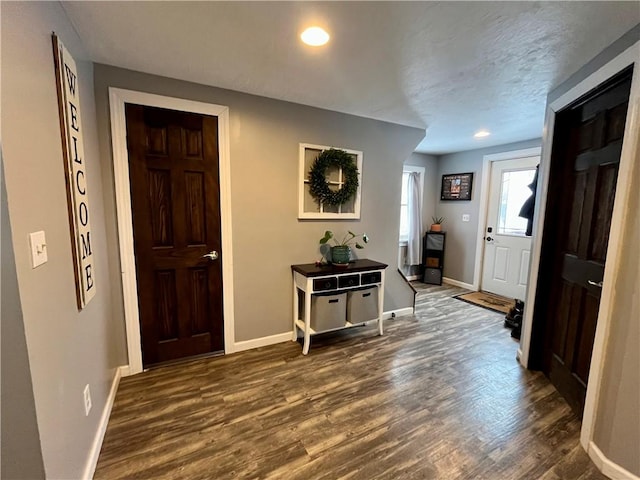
pixel 307 322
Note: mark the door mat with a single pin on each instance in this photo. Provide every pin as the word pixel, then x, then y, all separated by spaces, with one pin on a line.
pixel 487 300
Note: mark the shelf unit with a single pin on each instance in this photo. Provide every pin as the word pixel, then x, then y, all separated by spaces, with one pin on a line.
pixel 433 257
pixel 310 279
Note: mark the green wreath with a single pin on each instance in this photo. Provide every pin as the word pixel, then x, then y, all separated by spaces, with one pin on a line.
pixel 319 187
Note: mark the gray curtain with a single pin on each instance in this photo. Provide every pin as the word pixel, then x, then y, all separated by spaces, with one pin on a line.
pixel 414 209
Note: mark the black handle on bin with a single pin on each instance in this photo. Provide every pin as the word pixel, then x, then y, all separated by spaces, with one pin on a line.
pixel 335 300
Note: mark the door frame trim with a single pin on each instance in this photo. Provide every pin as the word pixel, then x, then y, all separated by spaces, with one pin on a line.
pixel 487 161
pixel 117 99
pixel 630 148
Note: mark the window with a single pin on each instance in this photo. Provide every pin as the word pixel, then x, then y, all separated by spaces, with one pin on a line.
pixel 513 193
pixel 404 210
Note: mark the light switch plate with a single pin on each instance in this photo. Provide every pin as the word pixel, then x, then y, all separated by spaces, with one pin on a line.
pixel 38 248
pixel 466 217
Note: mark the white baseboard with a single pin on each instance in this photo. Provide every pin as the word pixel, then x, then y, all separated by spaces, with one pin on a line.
pixel 397 313
pixel 286 337
pixel 262 341
pixel 607 467
pixel 413 277
pixel 457 283
pixel 96 446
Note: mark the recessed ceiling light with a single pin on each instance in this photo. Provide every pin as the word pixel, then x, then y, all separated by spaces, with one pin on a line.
pixel 481 134
pixel 314 36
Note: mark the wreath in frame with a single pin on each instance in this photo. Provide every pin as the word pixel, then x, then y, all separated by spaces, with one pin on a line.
pixel 318 184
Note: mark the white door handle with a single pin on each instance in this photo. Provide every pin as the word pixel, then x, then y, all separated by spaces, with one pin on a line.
pixel 595 284
pixel 212 255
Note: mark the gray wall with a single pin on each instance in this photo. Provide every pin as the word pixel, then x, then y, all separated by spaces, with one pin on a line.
pixel 67 349
pixel 430 164
pixel 460 252
pixel 21 454
pixel 267 236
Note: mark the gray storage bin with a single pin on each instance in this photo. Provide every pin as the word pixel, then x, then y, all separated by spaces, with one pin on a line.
pixel 362 305
pixel 432 276
pixel 328 311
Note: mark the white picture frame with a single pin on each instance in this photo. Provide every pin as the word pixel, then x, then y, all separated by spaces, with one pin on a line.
pixel 308 207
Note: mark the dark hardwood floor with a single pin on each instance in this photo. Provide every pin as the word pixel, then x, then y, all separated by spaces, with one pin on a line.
pixel 439 396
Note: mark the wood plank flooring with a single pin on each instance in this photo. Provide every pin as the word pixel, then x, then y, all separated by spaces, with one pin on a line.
pixel 439 396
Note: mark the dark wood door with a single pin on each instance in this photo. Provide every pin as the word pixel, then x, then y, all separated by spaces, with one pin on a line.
pixel 175 196
pixel 584 171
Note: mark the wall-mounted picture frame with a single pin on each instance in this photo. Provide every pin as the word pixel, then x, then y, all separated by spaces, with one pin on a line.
pixel 308 207
pixel 456 186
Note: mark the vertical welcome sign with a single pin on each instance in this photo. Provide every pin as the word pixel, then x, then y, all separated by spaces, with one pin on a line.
pixel 75 172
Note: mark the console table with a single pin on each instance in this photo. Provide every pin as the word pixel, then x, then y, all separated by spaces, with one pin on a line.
pixel 311 280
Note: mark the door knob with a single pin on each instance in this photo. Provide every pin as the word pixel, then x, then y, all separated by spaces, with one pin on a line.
pixel 212 255
pixel 489 239
pixel 595 284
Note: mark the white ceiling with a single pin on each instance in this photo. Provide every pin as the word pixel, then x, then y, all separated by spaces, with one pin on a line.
pixel 450 67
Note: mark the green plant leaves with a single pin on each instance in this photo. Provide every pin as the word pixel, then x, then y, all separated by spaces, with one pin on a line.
pixel 319 187
pixel 349 239
pixel 328 235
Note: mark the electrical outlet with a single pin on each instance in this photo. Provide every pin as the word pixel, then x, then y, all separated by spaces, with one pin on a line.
pixel 466 217
pixel 87 400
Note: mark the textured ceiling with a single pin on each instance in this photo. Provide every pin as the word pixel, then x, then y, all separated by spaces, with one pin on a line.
pixel 450 67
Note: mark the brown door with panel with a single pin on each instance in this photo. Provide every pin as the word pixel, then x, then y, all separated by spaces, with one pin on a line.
pixel 175 197
pixel 584 170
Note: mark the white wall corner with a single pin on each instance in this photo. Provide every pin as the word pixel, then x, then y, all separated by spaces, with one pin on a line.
pixel 607 467
pixel 457 283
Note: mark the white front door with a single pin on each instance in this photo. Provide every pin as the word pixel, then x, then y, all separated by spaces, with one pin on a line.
pixel 507 249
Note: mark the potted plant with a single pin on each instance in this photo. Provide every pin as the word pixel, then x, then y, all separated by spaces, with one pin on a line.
pixel 436 226
pixel 341 250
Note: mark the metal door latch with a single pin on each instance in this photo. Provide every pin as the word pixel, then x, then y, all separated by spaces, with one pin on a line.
pixel 212 255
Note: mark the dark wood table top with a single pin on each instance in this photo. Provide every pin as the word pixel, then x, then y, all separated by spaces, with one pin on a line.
pixel 313 270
